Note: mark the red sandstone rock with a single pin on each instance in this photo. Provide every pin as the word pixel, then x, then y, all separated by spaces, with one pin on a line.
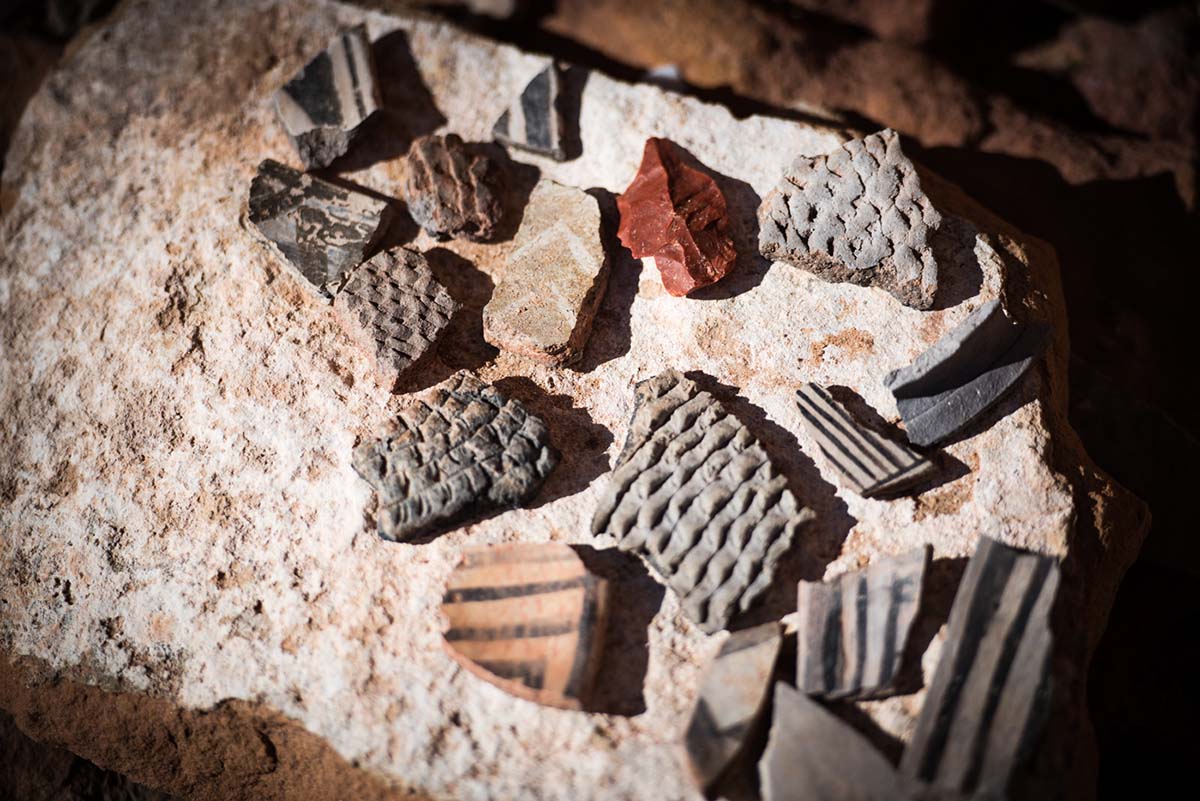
pixel 676 215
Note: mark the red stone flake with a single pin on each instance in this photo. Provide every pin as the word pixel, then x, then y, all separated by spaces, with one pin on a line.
pixel 676 214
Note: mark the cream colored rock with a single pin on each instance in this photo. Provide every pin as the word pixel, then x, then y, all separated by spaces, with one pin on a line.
pixel 553 281
pixel 191 590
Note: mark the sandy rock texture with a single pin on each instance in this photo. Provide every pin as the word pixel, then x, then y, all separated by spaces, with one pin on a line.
pixel 554 278
pixel 32 771
pixel 192 591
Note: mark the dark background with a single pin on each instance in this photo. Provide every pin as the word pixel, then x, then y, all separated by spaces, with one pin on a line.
pixel 1075 120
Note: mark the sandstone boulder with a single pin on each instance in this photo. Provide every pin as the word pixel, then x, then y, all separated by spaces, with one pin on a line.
pixel 192 591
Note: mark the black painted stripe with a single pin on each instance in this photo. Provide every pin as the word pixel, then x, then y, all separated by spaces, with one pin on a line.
pixel 841 465
pixel 586 626
pixel 851 435
pixel 348 46
pixel 1008 651
pixel 992 567
pixel 536 111
pixel 531 673
pixel 511 631
pixel 861 602
pixel 832 642
pixel 468 594
pixel 896 599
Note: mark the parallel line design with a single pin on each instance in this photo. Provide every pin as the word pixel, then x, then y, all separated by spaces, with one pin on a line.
pixel 987 700
pixel 853 631
pixel 467 594
pixel 868 463
pixel 534 122
pixel 324 105
pixel 529 618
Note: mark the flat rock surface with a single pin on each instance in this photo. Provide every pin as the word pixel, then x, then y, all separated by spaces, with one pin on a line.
pixel 186 542
pixel 554 280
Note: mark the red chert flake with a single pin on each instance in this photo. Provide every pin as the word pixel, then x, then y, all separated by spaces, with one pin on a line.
pixel 676 215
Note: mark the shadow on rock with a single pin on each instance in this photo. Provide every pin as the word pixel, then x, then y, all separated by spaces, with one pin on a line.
pixel 634 600
pixel 817 543
pixel 582 443
pixel 959 275
pixel 574 80
pixel 742 205
pixel 942 578
pixel 517 179
pixel 889 745
pixel 462 346
pixel 408 109
pixel 612 330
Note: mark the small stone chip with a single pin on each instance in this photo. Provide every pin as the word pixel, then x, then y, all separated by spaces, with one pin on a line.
pixel 733 696
pixel 852 631
pixel 694 494
pixel 452 192
pixel 323 230
pixel 554 280
pixel 863 206
pixel 814 756
pixel 464 451
pixel 534 122
pixel 528 618
pixel 964 373
pixel 323 107
pixel 868 463
pixel 986 703
pixel 395 310
pixel 676 215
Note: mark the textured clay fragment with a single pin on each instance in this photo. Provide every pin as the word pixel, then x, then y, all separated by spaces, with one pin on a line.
pixel 694 494
pixel 863 206
pixel 534 122
pixel 323 107
pixel 964 373
pixel 554 280
pixel 986 703
pixel 528 618
pixel 814 756
pixel 464 451
pixel 324 231
pixel 395 310
pixel 733 696
pixel 868 463
pixel 852 632
pixel 676 215
pixel 451 191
